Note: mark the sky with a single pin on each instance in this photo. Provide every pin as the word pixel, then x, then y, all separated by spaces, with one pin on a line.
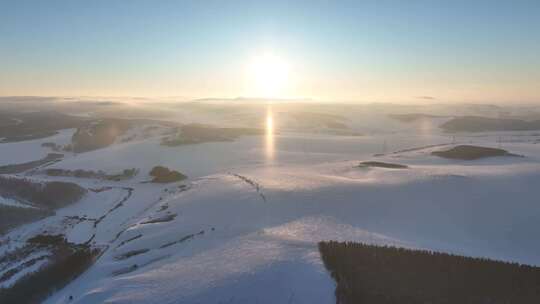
pixel 365 51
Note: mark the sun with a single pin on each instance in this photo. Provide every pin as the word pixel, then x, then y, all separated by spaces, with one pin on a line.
pixel 267 75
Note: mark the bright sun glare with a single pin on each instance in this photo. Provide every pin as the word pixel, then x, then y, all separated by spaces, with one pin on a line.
pixel 267 76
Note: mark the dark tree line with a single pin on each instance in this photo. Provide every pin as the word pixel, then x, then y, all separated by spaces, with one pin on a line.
pixel 19 168
pixel 199 133
pixel 162 174
pixel 68 262
pixel 374 274
pixel 20 126
pixel 99 134
pixel 80 173
pixel 13 216
pixel 468 152
pixel 47 195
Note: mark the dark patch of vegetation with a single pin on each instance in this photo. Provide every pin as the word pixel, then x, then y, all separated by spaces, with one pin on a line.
pixel 99 134
pixel 19 168
pixel 198 133
pixel 54 146
pixel 44 197
pixel 125 174
pixel 16 255
pixel 79 173
pixel 373 274
pixel 19 126
pixel 47 195
pixel 131 253
pixel 13 271
pixel 376 164
pixel 48 240
pixel 36 135
pixel 412 117
pixel 129 240
pixel 181 240
pixel 318 120
pixel 11 216
pixel 162 219
pixel 125 270
pixel 165 175
pixel 102 133
pixel 100 189
pixel 107 103
pixel 67 262
pixel 468 152
pixel 484 124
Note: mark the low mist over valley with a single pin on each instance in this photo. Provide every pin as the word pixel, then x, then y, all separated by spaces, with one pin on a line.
pixel 269 152
pixel 149 193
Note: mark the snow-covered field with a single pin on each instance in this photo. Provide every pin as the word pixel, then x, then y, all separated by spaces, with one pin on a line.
pixel 30 150
pixel 244 227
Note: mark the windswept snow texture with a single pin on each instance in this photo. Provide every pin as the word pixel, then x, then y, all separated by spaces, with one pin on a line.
pixel 244 227
pixel 228 244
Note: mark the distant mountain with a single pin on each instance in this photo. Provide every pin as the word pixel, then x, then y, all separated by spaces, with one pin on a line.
pixel 412 117
pixel 482 124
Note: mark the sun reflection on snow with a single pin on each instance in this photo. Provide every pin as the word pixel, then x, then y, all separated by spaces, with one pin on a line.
pixel 269 137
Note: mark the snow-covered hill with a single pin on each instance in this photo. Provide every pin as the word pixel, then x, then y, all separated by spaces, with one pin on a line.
pixel 244 227
pixel 228 242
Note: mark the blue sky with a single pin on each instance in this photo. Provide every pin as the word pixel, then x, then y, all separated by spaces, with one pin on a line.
pixel 342 50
